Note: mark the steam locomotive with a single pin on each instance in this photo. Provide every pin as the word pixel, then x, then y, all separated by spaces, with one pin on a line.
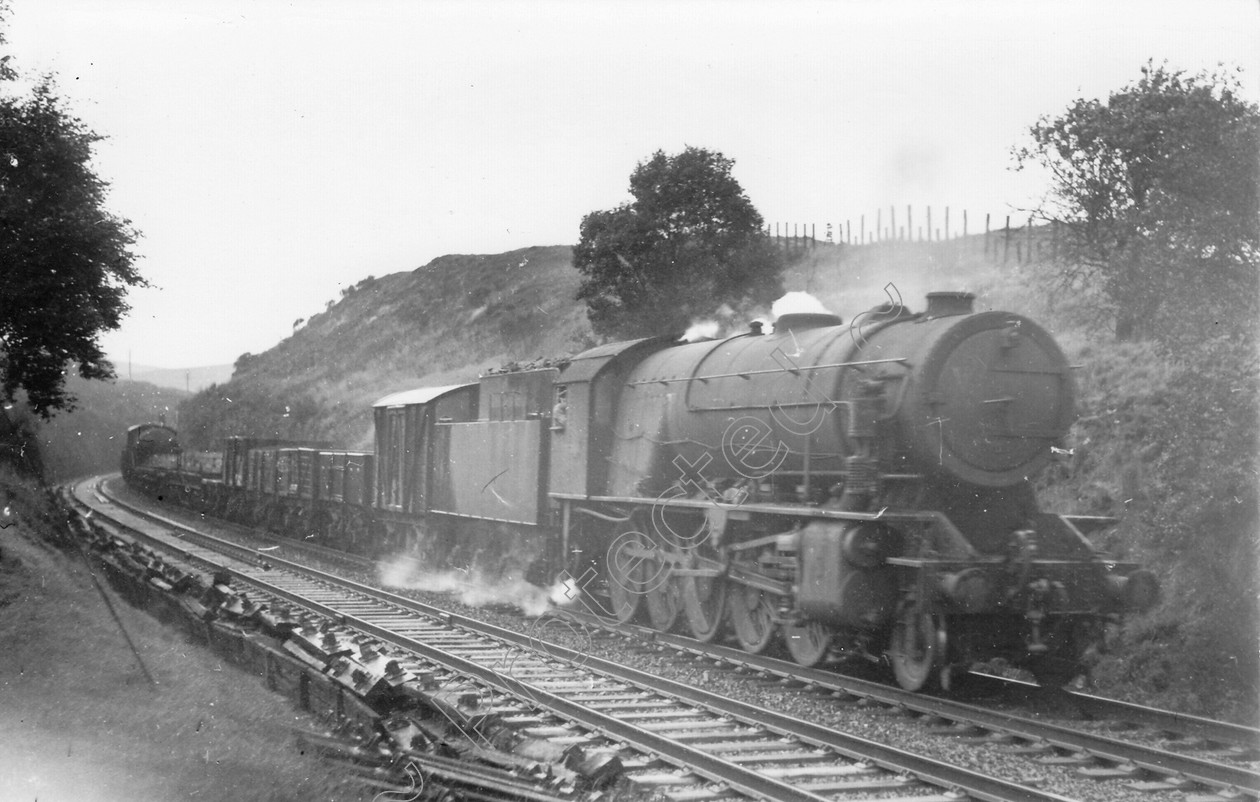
pixel 845 491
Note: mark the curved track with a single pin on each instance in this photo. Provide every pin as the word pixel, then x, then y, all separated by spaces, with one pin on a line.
pixel 1182 732
pixel 684 741
pixel 1149 748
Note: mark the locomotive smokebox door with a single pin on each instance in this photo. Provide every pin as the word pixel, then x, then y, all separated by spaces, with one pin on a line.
pixel 995 394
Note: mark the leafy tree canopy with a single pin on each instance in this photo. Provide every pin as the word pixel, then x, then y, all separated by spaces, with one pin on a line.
pixel 65 261
pixel 689 243
pixel 1158 189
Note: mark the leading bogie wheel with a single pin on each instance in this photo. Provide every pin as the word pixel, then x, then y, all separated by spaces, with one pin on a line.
pixel 918 649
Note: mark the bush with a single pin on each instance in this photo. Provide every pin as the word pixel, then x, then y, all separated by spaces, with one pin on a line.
pixel 1169 441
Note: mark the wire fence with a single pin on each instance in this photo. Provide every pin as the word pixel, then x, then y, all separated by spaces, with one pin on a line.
pixel 998 240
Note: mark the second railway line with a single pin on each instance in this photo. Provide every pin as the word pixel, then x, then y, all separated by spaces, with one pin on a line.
pixel 793 759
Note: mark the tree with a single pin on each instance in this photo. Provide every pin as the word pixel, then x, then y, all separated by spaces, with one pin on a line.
pixel 67 262
pixel 689 243
pixel 1157 191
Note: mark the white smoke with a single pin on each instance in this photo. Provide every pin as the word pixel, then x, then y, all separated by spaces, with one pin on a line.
pixel 475 589
pixel 701 330
pixel 564 592
pixel 798 303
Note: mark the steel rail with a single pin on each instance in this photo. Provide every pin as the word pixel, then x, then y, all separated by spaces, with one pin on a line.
pixel 1208 729
pixel 1167 721
pixel 745 781
pixel 979 786
pixel 497 784
pixel 1159 762
pixel 316 550
pixel 1156 761
pixel 740 779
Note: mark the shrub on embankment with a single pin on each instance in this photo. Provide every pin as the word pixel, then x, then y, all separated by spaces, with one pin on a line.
pixel 1169 441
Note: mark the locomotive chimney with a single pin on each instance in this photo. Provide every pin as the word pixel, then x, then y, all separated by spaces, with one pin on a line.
pixel 944 304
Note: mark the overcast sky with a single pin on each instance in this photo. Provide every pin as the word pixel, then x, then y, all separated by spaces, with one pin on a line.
pixel 274 153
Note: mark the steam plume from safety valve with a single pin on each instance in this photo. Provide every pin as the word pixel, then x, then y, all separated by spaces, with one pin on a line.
pixel 798 303
pixel 797 311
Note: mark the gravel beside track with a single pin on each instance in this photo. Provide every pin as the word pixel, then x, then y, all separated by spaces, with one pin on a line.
pixel 706 737
pixel 892 726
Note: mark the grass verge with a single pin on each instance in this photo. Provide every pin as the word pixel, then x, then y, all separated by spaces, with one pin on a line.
pixel 80 721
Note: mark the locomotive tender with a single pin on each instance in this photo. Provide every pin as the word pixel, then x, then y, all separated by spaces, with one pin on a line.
pixel 857 490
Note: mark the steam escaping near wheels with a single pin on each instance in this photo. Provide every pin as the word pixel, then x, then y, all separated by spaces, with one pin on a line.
pixel 476 588
pixel 564 591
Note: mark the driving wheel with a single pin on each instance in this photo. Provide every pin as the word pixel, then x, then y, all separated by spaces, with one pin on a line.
pixel 625 572
pixel 704 600
pixel 663 597
pixel 808 642
pixel 752 618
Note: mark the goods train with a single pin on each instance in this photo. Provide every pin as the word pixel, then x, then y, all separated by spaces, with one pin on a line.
pixel 845 491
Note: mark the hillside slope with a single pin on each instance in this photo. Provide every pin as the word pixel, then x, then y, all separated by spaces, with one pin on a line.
pixel 442 323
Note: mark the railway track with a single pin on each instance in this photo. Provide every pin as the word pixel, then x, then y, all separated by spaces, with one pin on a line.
pixel 1181 733
pixel 698 732
pixel 115 491
pixel 680 741
pixel 1148 749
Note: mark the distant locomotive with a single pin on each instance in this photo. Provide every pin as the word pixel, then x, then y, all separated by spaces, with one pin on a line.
pixel 150 447
pixel 853 491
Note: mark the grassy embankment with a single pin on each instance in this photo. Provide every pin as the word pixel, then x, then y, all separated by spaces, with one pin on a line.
pixel 80 721
pixel 1166 439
